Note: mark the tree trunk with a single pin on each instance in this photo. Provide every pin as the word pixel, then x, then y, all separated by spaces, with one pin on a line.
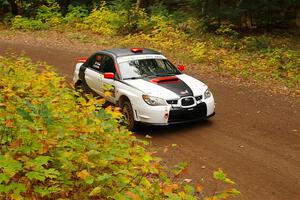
pixel 219 13
pixel 139 3
pixel 14 8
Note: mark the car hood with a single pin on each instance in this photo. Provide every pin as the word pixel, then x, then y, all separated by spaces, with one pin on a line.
pixel 170 89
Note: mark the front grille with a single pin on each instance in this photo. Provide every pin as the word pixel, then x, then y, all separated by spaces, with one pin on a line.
pixel 188 114
pixel 187 101
pixel 172 101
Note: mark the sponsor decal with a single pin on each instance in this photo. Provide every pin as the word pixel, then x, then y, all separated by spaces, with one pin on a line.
pixel 139 57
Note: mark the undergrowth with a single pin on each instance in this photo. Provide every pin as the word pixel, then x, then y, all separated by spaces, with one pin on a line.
pixel 58 145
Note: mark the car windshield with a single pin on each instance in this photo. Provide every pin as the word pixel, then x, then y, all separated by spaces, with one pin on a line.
pixel 143 68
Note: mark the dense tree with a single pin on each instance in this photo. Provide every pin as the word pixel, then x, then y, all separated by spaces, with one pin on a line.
pixel 247 14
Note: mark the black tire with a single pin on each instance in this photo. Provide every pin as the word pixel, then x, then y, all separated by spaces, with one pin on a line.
pixel 80 87
pixel 129 115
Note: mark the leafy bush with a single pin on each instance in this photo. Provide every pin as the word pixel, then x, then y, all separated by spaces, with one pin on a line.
pixel 7 18
pixel 46 17
pixel 103 21
pixel 50 14
pixel 199 50
pixel 259 57
pixel 75 15
pixel 56 145
pixel 257 43
pixel 227 30
pixel 19 22
pixel 162 34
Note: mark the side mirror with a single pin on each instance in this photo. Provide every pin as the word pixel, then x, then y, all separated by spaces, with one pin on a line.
pixel 109 75
pixel 181 67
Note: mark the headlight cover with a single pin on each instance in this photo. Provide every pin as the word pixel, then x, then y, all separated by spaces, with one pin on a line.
pixel 154 101
pixel 207 94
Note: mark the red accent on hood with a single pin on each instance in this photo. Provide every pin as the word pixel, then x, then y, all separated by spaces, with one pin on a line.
pixel 82 59
pixel 164 79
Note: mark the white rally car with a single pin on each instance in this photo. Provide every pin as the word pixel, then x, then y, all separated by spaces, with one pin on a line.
pixel 145 85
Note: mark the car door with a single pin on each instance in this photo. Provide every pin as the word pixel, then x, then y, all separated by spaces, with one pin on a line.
pixel 108 85
pixel 93 74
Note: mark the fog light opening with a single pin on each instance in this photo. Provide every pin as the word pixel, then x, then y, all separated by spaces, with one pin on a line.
pixel 166 116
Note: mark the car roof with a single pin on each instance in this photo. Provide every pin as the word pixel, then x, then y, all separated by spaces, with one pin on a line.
pixel 120 52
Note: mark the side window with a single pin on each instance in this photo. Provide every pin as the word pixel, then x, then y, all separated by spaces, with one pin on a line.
pixel 96 62
pixel 107 64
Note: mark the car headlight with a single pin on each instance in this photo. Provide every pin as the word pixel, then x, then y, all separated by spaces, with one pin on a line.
pixel 154 101
pixel 207 94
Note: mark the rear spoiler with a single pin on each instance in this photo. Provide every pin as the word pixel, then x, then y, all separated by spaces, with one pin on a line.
pixel 82 60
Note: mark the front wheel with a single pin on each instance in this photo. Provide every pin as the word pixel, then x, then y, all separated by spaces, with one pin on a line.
pixel 128 113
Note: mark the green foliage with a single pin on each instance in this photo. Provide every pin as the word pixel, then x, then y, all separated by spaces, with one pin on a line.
pixel 159 33
pixel 256 57
pixel 24 23
pixel 227 30
pixel 7 18
pixel 75 15
pixel 49 14
pixel 199 51
pixel 46 17
pixel 103 21
pixel 55 144
pixel 257 43
pixel 227 193
pixel 260 57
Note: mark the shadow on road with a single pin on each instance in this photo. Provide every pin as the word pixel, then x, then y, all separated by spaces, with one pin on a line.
pixel 173 129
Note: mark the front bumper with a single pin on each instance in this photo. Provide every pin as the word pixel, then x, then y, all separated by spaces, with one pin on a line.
pixel 180 122
pixel 165 115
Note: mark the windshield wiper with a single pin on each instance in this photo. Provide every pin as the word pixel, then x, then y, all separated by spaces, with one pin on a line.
pixel 152 76
pixel 167 74
pixel 132 78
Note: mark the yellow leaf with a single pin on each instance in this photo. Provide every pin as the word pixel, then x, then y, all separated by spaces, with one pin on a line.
pixel 44 149
pixel 199 188
pixel 170 188
pixel 83 174
pixel 121 160
pixel 95 191
pixel 16 197
pixel 132 195
pixel 107 94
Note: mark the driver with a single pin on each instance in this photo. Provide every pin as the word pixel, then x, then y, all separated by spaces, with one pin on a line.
pixel 97 63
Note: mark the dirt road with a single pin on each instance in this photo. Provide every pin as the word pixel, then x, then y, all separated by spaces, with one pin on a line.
pixel 254 137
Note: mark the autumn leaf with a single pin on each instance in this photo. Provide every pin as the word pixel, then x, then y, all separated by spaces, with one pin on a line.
pixel 199 188
pixel 83 174
pixel 167 189
pixel 132 195
pixel 221 176
pixel 16 143
pixel 107 94
pixel 9 123
pixel 96 191
pixel 156 165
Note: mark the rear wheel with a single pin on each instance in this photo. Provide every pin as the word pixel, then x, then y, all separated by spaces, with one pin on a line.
pixel 129 115
pixel 81 88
